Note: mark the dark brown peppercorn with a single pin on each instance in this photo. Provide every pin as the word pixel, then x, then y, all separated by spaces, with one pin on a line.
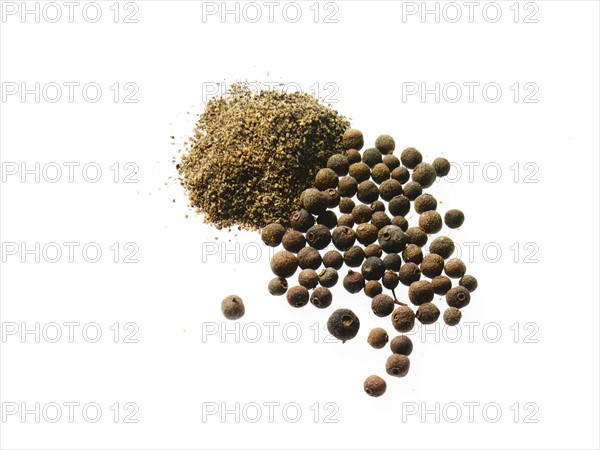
pixel 326 179
pixel 347 186
pixel 412 190
pixel 353 156
pixel 308 278
pixel 367 192
pixel 452 316
pixel 409 273
pixel 410 157
pixel 284 264
pixel 361 214
pixel 430 222
pixel 377 206
pixel 391 239
pixel 432 265
pixel 441 284
pixel 297 296
pixel 385 144
pixel 333 198
pixel 328 277
pixel 373 288
pixel 346 205
pixel 373 268
pixel 343 324
pixel 455 268
pixel 392 262
pixel 399 206
pixel 278 286
pixel 458 296
pixel 346 220
pixel 427 313
pixel 380 172
pixel 412 253
pixel 403 319
pixel 400 174
pixel 371 156
pixel 392 162
pixel 416 235
pixel 380 219
pixel 424 174
pixel 443 246
pixel 469 282
pixel 321 297
pixel 375 386
pixel 401 222
pixel 353 282
pixel 232 307
pixel 425 202
pixel 272 234
pixel 354 256
pixel 314 201
pixel 333 259
pixel 377 338
pixel 302 220
pixel 390 189
pixel 353 138
pixel 401 345
pixel 339 164
pixel 343 238
pixel 328 218
pixel 390 280
pixel 397 365
pixel 454 218
pixel 420 292
pixel 373 250
pixel 366 233
pixel 441 166
pixel 382 305
pixel 318 236
pixel 309 258
pixel 360 172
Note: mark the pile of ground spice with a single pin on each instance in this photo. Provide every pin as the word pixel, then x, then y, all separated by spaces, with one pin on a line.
pixel 253 153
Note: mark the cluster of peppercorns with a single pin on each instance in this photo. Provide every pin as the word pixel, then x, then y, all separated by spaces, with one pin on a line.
pixel 375 225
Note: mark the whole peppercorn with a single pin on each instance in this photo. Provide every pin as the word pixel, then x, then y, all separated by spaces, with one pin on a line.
pixel 366 233
pixel 399 206
pixel 321 297
pixel 392 261
pixel 390 280
pixel 375 386
pixel 430 222
pixel 297 296
pixel 403 319
pixel 400 174
pixel 401 345
pixel 443 246
pixel 441 166
pixel 391 239
pixel 373 268
pixel 377 338
pixel 368 192
pixel 420 292
pixel 272 234
pixel 339 164
pixel 441 284
pixel 455 268
pixel 424 174
pixel 392 162
pixel 373 288
pixel 380 219
pixel 309 258
pixel 353 282
pixel 432 265
pixel 343 324
pixel 377 206
pixel 302 220
pixel 469 282
pixel 353 155
pixel 346 220
pixel 354 256
pixel 390 189
pixel 458 296
pixel 314 201
pixel 412 190
pixel 284 264
pixel 397 365
pixel 412 253
pixel 380 172
pixel 409 273
pixel 385 144
pixel 371 156
pixel 425 202
pixel 427 313
pixel 452 316
pixel 401 222
pixel 373 250
pixel 293 241
pixel 232 307
pixel 308 278
pixel 328 277
pixel 359 171
pixel 328 218
pixel 346 205
pixel 416 235
pixel 347 186
pixel 326 179
pixel 411 157
pixel 454 218
pixel 343 238
pixel 318 236
pixel 333 198
pixel 278 286
pixel 382 305
pixel 333 259
pixel 361 214
pixel 352 138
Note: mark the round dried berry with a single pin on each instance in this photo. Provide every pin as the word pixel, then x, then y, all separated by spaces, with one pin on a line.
pixel 297 296
pixel 293 241
pixel 397 365
pixel 315 201
pixel 441 166
pixel 343 324
pixel 454 218
pixel 328 218
pixel 392 162
pixel 380 172
pixel 441 284
pixel 412 190
pixel 390 189
pixel 427 313
pixel 232 307
pixel 343 238
pixel 468 281
pixel 424 174
pixel 309 258
pixel 377 206
pixel 412 253
pixel 377 338
pixel 333 198
pixel 347 186
pixel 284 264
pixel 375 386
pixel 353 155
pixel 278 286
pixel 272 234
pixel 430 222
pixel 401 222
pixel 352 139
pixel 382 305
pixel 318 236
pixel 333 259
pixel 302 220
pixel 373 268
pixel 345 220
pixel 326 179
pixel 380 219
pixel 420 292
pixel 385 144
pixel 308 278
pixel 353 282
pixel 346 205
pixel 390 280
pixel 409 273
pixel 400 174
pixel 403 319
pixel 458 296
pixel 360 172
pixel 368 192
pixel 425 202
pixel 416 235
pixel 399 206
pixel 321 297
pixel 354 256
pixel 361 214
pixel 339 164
pixel 391 239
pixel 392 261
pixel 455 268
pixel 366 233
pixel 452 316
pixel 401 345
pixel 432 265
pixel 410 157
pixel 373 288
pixel 371 156
pixel 328 277
pixel 373 250
pixel 443 246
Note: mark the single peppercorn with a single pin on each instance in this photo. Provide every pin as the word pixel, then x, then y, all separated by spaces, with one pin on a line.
pixel 375 386
pixel 346 205
pixel 420 292
pixel 328 277
pixel 353 155
pixel 412 253
pixel 343 324
pixel 411 157
pixel 272 234
pixel 333 259
pixel 469 282
pixel 390 280
pixel 455 268
pixel 391 239
pixel 441 166
pixel 377 338
pixel 353 139
pixel 302 220
pixel 333 198
pixel 359 171
pixel 366 233
pixel 284 264
pixel 416 235
pixel 339 164
pixel 401 345
pixel 314 201
pixel 390 189
pixel 278 286
pixel 380 219
pixel 382 305
pixel 373 250
pixel 321 297
pixel 343 238
pixel 328 219
pixel 399 205
pixel 454 218
pixel 432 265
pixel 353 282
pixel 430 222
pixel 443 246
pixel 318 236
pixel 347 186
pixel 392 162
pixel 401 222
pixel 427 313
pixel 232 307
pixel 297 296
pixel 326 179
pixel 385 144
pixel 409 273
pixel 371 156
pixel 377 206
pixel 346 220
pixel 361 214
pixel 392 261
pixel 452 316
pixel 309 258
pixel 380 172
pixel 400 174
pixel 373 288
pixel 425 202
pixel 367 192
pixel 397 365
pixel 403 319
pixel 424 174
pixel 354 256
pixel 308 278
pixel 441 284
pixel 458 296
pixel 293 241
pixel 373 268
pixel 412 190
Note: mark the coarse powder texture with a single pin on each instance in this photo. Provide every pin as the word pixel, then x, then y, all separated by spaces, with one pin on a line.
pixel 253 153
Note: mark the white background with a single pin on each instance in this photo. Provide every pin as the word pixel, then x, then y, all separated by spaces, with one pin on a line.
pixel 548 291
